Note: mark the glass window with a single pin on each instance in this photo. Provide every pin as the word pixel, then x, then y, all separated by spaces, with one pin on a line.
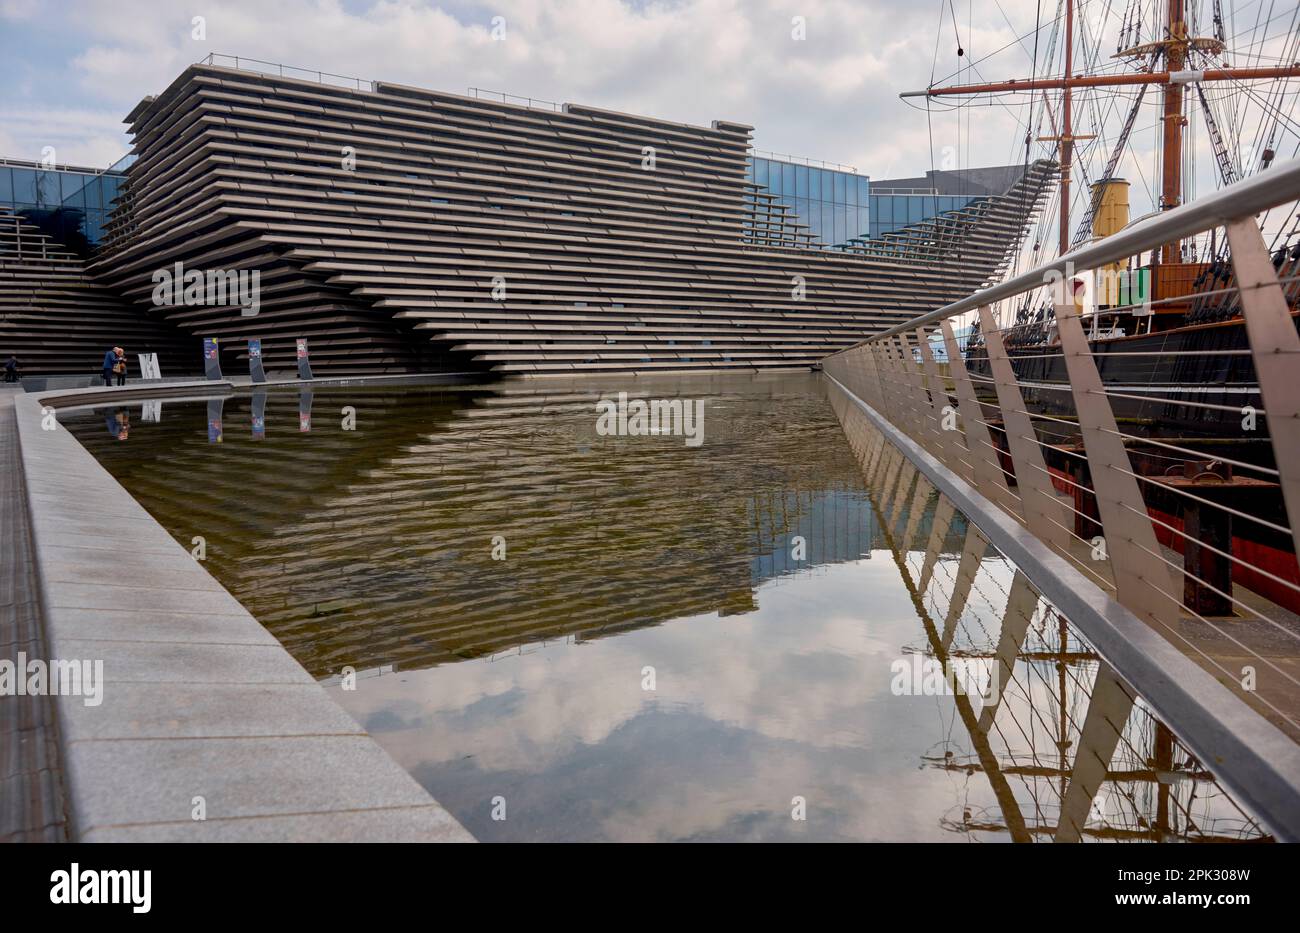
pixel 815 183
pixel 25 186
pixel 787 178
pixel 47 188
pixel 74 194
pixel 6 185
pixel 801 180
pixel 839 187
pixel 760 171
pixel 851 190
pixel 112 189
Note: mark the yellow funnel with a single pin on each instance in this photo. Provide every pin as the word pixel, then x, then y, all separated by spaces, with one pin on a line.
pixel 1110 217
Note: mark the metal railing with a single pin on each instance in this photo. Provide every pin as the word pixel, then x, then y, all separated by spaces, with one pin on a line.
pixel 278 69
pixel 1163 465
pixel 803 160
pixel 481 93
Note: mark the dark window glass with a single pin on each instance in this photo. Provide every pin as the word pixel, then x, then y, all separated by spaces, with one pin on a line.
pixel 74 191
pixel 48 193
pixel 6 185
pixel 25 186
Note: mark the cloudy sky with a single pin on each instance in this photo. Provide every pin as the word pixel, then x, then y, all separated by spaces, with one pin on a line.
pixel 71 70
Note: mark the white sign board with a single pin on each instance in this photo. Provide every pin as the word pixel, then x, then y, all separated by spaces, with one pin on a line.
pixel 149 368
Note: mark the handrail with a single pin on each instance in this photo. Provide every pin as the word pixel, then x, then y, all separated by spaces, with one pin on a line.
pixel 1270 188
pixel 211 59
pixel 535 103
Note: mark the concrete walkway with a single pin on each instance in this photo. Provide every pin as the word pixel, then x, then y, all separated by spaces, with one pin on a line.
pixel 32 805
pixel 203 714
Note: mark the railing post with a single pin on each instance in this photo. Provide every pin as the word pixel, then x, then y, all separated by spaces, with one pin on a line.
pixel 944 511
pixel 972 555
pixel 1109 706
pixel 1275 348
pixel 918 425
pixel 892 373
pixel 1142 582
pixel 1022 602
pixel 917 509
pixel 947 439
pixel 1043 512
pixel 979 443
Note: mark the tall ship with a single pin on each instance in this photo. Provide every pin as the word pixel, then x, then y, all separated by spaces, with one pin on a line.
pixel 1221 72
pixel 1125 97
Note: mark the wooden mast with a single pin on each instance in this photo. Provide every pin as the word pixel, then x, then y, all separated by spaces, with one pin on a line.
pixel 1067 140
pixel 1171 192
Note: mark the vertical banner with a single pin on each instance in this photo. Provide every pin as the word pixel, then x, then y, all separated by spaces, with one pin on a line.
pixel 304 364
pixel 304 411
pixel 211 362
pixel 255 361
pixel 259 414
pixel 214 420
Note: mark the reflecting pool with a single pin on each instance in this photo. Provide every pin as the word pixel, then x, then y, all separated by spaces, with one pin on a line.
pixel 565 634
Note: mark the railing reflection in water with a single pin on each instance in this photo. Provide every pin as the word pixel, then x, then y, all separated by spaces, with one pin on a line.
pixel 1049 764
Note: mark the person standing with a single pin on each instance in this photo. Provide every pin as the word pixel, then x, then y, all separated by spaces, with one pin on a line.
pixel 11 369
pixel 110 361
pixel 119 365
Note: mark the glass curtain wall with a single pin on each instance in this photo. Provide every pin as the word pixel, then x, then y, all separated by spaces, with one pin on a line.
pixel 70 205
pixel 834 205
pixel 890 212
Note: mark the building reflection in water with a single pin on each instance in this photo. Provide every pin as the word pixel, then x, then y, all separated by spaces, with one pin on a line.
pixel 769 580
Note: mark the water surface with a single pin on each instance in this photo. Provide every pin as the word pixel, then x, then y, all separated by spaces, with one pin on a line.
pixel 681 643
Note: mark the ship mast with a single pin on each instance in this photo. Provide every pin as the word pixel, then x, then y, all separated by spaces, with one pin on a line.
pixel 1067 140
pixel 1171 193
pixel 1175 47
